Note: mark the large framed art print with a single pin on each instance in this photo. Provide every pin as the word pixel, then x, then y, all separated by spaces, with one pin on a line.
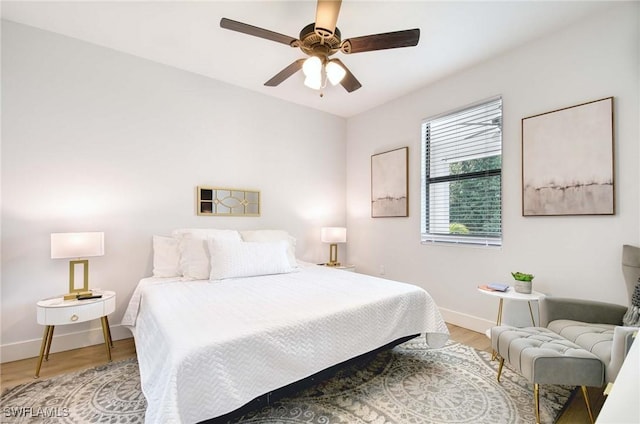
pixel 567 161
pixel 389 184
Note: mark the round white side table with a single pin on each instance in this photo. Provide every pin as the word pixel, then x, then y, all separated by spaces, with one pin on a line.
pixel 57 311
pixel 511 294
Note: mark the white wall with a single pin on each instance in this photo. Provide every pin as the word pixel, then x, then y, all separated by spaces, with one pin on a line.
pixel 570 256
pixel 93 139
pixel 96 140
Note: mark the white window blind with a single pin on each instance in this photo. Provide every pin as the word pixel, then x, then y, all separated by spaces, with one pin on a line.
pixel 461 176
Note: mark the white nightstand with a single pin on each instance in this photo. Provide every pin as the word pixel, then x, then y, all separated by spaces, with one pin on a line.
pixel 57 311
pixel 349 268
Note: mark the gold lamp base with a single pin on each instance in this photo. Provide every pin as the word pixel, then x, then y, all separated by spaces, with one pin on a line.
pixel 74 291
pixel 75 295
pixel 333 255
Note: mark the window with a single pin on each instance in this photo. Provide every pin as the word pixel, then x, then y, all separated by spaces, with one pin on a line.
pixel 461 176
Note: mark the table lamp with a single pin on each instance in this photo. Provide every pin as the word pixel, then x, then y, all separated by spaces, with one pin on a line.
pixel 78 246
pixel 333 235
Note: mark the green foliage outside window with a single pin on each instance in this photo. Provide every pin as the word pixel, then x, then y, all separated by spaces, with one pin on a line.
pixel 475 203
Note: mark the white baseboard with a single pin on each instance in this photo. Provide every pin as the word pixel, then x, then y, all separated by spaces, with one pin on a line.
pixel 31 348
pixel 469 322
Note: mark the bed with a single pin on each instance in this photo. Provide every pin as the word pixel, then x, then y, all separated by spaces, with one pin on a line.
pixel 206 347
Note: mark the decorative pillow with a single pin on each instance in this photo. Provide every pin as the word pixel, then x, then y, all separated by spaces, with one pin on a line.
pixel 232 259
pixel 632 317
pixel 274 235
pixel 166 257
pixel 194 251
pixel 205 233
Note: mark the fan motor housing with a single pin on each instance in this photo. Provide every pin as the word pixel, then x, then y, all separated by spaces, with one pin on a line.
pixel 311 42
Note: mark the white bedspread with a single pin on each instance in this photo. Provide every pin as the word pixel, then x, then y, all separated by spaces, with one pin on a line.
pixel 207 348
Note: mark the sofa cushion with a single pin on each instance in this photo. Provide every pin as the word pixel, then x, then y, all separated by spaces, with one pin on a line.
pixel 596 338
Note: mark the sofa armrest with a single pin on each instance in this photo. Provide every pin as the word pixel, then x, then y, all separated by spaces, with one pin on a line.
pixel 553 308
pixel 622 339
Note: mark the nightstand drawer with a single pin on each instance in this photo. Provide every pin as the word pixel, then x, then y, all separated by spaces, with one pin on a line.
pixel 77 312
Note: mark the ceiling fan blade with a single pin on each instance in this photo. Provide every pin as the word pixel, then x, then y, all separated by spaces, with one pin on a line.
pixel 256 32
pixel 387 40
pixel 285 73
pixel 326 17
pixel 349 82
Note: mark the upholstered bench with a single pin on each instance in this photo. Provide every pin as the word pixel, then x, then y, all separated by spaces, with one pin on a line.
pixel 544 357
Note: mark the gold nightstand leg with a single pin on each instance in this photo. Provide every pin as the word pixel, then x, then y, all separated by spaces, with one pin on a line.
pixel 109 332
pixel 43 348
pixel 107 336
pixel 49 340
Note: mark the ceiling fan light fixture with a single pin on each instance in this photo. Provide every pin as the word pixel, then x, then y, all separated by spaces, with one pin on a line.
pixel 313 81
pixel 335 72
pixel 312 67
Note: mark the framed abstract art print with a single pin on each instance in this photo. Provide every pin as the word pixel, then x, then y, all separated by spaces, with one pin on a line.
pixel 567 161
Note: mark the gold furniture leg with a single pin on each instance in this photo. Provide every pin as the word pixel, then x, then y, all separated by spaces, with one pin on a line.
pixel 500 368
pixel 109 332
pixel 536 400
pixel 498 322
pixel 533 321
pixel 43 348
pixel 49 340
pixel 585 393
pixel 105 333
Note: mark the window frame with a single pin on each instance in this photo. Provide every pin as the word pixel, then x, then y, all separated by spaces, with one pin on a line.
pixel 457 239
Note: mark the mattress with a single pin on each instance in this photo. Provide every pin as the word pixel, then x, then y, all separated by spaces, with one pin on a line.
pixel 207 348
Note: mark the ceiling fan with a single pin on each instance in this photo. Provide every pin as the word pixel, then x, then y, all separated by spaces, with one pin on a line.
pixel 322 39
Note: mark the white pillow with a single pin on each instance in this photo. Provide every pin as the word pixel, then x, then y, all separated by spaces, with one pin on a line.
pixel 205 233
pixel 274 235
pixel 194 251
pixel 232 259
pixel 166 257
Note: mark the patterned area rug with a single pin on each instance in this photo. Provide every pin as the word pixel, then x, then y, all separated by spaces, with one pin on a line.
pixel 409 384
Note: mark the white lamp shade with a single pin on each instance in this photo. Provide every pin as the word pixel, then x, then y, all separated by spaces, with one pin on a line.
pixel 333 235
pixel 77 245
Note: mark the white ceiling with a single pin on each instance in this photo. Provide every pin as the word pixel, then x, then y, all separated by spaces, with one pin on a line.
pixel 186 35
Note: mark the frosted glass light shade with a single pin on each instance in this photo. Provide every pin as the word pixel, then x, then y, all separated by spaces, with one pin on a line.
pixel 335 72
pixel 312 66
pixel 312 69
pixel 333 235
pixel 313 81
pixel 77 245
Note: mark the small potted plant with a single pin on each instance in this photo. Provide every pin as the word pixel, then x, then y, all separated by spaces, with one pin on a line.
pixel 523 282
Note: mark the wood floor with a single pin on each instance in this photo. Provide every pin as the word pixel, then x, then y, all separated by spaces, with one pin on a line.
pixel 18 372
